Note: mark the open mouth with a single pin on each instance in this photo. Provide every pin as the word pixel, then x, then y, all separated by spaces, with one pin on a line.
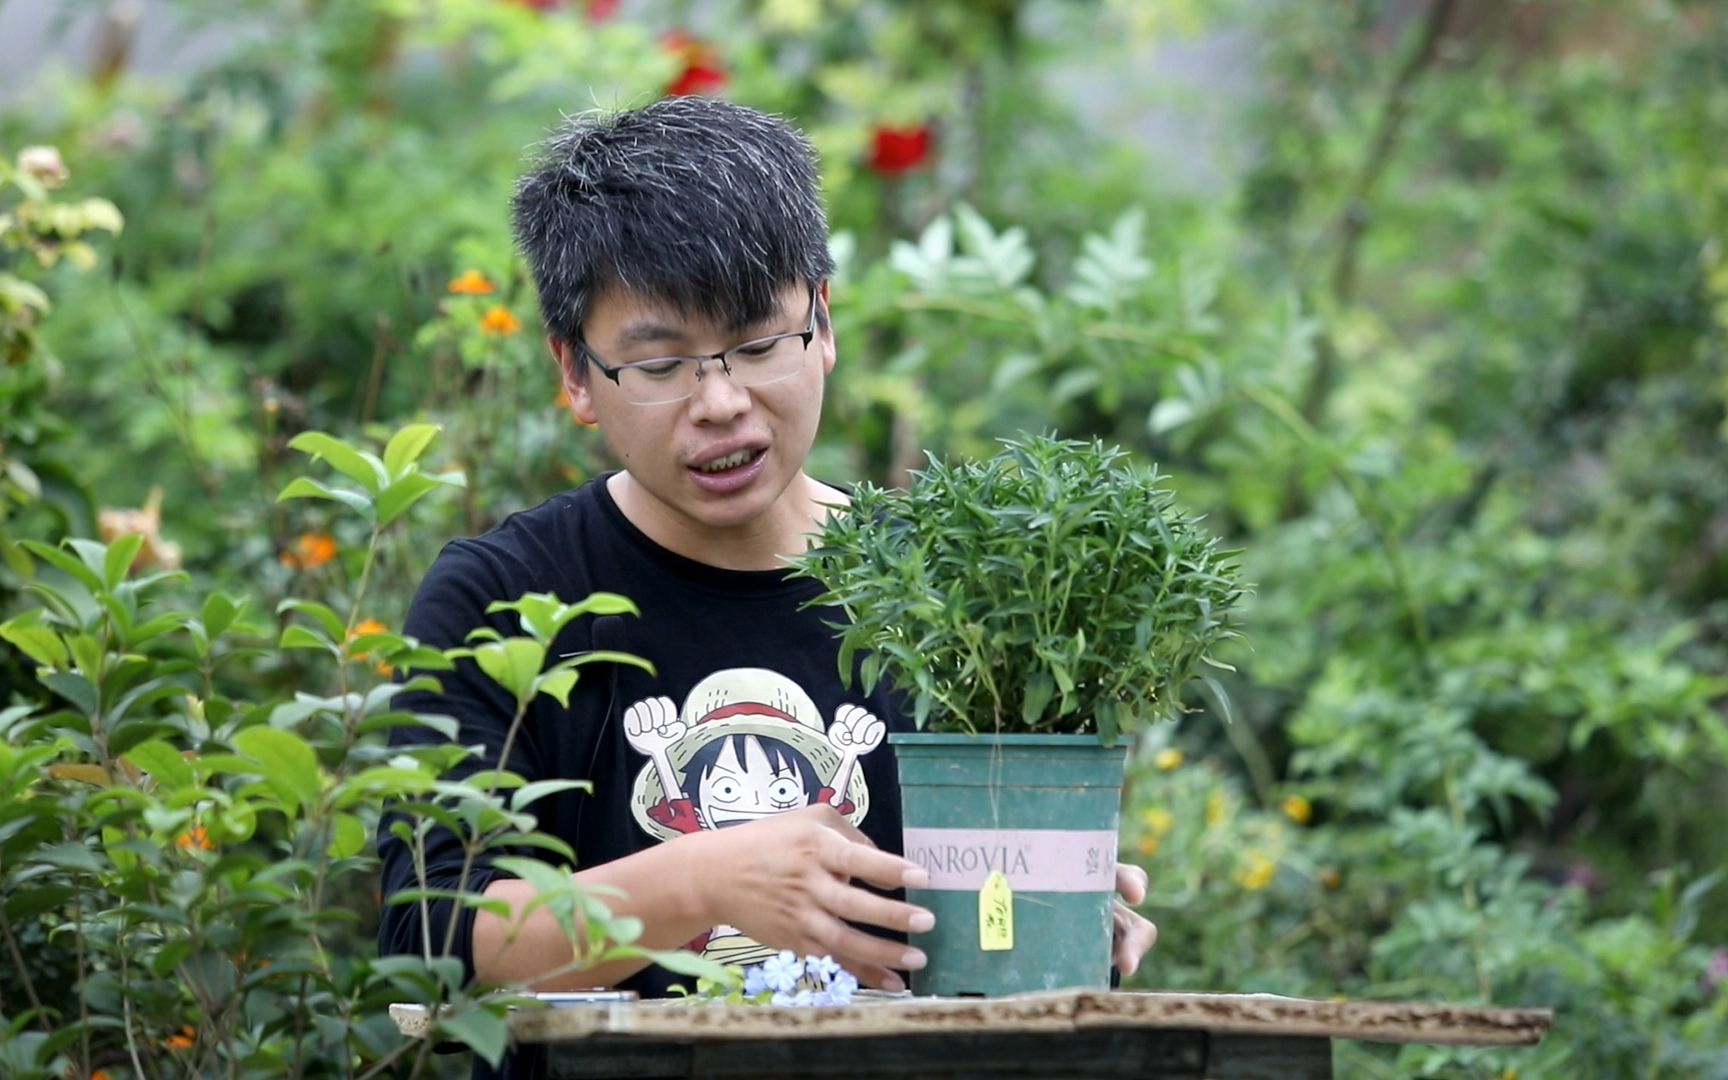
pixel 735 460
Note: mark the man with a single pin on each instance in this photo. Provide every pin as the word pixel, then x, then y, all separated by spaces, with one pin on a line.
pixel 744 800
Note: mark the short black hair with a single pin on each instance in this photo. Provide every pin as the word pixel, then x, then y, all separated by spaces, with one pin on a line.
pixel 710 207
pixel 779 754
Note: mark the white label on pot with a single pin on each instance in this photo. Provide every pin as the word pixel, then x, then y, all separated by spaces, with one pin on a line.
pixel 1033 860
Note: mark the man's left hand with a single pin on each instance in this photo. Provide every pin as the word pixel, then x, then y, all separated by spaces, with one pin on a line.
pixel 1134 934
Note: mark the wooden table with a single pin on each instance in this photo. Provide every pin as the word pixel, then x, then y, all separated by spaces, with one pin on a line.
pixel 1065 1032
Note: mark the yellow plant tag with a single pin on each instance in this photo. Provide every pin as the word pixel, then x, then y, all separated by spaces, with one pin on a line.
pixel 996 914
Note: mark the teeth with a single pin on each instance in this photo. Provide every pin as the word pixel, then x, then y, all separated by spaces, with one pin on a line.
pixel 730 461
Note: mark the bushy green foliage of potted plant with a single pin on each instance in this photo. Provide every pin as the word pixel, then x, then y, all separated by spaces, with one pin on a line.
pixel 1036 608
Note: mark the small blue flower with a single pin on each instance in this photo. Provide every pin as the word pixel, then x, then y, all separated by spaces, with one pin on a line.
pixel 754 980
pixel 782 973
pixel 821 968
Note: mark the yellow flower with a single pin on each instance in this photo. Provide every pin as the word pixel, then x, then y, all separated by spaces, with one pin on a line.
pixel 499 320
pixel 1217 809
pixel 1511 1073
pixel 1158 820
pixel 472 283
pixel 1167 759
pixel 1257 871
pixel 1148 846
pixel 1298 809
pixel 310 550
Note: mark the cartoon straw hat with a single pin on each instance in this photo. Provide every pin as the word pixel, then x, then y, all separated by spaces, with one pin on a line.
pixel 748 701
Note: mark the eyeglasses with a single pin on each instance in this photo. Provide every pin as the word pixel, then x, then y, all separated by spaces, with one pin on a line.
pixel 668 379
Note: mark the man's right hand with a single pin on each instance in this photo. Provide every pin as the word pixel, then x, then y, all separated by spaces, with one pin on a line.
pixel 787 881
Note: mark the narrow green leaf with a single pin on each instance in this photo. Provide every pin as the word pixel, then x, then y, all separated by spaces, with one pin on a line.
pixel 220 611
pixel 356 465
pixel 328 619
pixel 74 687
pixel 402 493
pixel 557 685
pixel 539 789
pixel 348 836
pixel 483 1032
pixel 290 766
pixel 304 488
pixel 117 561
pixel 295 636
pixel 38 642
pixel 66 563
pixel 1040 688
pixel 406 446
pixel 163 762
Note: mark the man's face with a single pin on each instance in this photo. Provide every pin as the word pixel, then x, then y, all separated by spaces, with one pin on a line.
pixel 722 459
pixel 734 792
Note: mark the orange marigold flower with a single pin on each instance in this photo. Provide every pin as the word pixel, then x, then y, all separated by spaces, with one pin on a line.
pixel 1168 759
pixel 367 626
pixel 500 320
pixel 101 1074
pixel 198 837
pixel 371 626
pixel 1298 809
pixel 310 550
pixel 472 283
pixel 184 1039
pixel 1148 846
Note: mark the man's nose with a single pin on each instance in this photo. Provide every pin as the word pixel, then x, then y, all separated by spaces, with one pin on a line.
pixel 717 396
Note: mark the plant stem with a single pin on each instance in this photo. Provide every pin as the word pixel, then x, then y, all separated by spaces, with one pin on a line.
pixel 1365 502
pixel 1472 901
pixel 1353 221
pixel 23 971
pixel 365 576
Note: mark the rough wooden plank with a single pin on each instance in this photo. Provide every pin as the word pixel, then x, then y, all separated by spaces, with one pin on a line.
pixel 1269 1014
pixel 1246 1014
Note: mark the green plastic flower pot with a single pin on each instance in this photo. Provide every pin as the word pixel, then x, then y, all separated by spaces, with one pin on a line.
pixel 1041 809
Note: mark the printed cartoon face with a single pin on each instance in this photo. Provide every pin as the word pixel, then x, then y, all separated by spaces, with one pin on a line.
pixel 744 777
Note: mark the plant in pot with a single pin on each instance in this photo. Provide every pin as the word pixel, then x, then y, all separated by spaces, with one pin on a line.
pixel 1036 609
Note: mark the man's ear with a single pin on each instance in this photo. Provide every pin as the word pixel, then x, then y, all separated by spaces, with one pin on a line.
pixel 826 337
pixel 571 378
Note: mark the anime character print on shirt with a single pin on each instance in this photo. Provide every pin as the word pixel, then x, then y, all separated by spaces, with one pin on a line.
pixel 748 743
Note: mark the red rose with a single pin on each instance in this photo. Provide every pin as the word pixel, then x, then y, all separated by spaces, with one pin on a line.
pixel 703 72
pixel 895 151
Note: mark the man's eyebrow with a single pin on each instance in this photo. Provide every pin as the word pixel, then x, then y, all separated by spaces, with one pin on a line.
pixel 648 331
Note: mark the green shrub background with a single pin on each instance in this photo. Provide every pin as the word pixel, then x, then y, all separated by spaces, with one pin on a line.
pixel 1446 357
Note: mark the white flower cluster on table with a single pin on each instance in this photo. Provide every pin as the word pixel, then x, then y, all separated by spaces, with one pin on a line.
pixel 814 980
